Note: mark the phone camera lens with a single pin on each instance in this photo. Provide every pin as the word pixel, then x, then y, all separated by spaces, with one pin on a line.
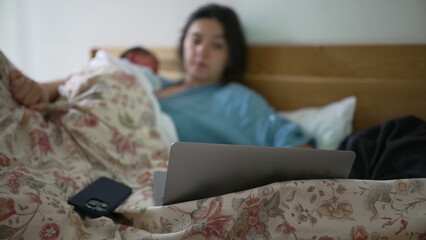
pixel 92 203
pixel 100 209
pixel 103 205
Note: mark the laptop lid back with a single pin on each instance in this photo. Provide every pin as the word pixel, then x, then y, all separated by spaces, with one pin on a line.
pixel 201 170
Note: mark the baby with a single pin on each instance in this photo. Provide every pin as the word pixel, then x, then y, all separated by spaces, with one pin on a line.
pixel 141 56
pixel 37 96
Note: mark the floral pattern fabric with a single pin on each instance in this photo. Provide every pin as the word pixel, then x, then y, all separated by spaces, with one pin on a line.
pixel 106 127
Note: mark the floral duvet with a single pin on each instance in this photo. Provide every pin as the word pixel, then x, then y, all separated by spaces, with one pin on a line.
pixel 105 125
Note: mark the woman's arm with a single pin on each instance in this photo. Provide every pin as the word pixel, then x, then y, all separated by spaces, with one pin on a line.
pixel 271 129
pixel 32 94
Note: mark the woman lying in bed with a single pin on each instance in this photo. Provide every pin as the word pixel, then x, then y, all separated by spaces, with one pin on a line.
pixel 208 105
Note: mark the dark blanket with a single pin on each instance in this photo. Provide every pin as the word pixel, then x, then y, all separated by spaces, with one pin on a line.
pixel 392 150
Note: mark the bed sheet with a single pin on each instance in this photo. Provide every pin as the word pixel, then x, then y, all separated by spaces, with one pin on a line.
pixel 109 131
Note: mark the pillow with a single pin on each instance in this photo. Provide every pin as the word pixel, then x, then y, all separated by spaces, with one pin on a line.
pixel 329 124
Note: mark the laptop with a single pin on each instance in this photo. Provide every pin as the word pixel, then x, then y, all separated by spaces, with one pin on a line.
pixel 202 170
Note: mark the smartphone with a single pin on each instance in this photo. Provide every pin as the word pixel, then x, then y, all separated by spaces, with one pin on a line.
pixel 100 197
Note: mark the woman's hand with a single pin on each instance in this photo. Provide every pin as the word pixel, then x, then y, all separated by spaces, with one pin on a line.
pixel 27 92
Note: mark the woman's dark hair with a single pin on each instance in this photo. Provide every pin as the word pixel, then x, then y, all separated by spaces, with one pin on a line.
pixel 234 38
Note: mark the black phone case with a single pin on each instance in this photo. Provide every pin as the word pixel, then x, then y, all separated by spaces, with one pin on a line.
pixel 100 197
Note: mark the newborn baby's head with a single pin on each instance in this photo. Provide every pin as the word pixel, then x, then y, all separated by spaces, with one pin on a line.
pixel 142 57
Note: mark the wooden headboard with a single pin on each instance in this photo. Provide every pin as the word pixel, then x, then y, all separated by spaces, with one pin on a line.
pixel 389 81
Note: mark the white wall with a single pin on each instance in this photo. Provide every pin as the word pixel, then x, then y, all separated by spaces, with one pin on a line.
pixel 49 39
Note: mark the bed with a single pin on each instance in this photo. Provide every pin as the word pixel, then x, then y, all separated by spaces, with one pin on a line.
pixel 45 159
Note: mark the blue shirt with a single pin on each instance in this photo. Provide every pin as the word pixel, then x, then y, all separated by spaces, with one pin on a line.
pixel 230 114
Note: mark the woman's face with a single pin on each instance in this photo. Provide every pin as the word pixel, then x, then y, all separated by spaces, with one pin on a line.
pixel 205 52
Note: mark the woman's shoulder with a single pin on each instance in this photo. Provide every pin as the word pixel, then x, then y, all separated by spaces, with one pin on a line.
pixel 236 85
pixel 241 94
pixel 242 90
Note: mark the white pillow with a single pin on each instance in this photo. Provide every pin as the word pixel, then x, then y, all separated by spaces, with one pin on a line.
pixel 328 124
